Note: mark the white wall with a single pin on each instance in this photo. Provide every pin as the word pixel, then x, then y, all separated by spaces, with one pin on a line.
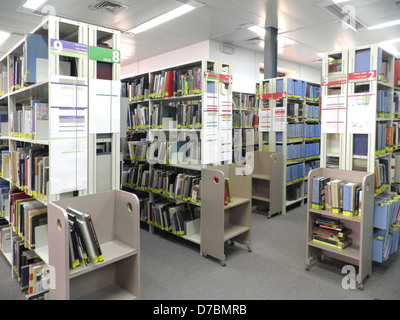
pixel 173 58
pixel 246 64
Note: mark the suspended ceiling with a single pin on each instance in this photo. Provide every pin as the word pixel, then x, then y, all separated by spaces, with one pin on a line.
pixel 315 26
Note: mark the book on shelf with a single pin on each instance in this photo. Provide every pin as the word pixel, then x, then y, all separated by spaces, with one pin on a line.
pixel 332 233
pixel 35 58
pixel 84 247
pixel 337 196
pixel 84 222
pixel 318 192
pixel 350 199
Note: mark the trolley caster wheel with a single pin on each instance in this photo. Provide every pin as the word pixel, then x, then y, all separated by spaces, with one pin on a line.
pixel 249 249
pixel 308 268
pixel 223 263
pixel 230 243
pixel 205 255
pixel 360 286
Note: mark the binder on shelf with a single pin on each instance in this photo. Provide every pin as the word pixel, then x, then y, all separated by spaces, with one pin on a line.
pixel 36 58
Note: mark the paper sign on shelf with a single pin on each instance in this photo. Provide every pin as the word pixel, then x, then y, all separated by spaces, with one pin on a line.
pixel 265 120
pixel 361 110
pixel 279 120
pixel 68 134
pixel 333 114
pixel 105 104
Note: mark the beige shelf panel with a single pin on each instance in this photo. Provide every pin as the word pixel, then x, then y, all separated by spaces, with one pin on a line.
pixel 115 215
pixel 267 182
pixel 220 223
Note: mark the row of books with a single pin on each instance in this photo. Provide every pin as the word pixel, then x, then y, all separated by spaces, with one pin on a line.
pixel 84 246
pixel 136 89
pixel 337 195
pixel 32 273
pixel 184 186
pixel 297 172
pixel 332 233
pixel 383 104
pixel 244 137
pixel 300 151
pixel 244 119
pixel 3 80
pixel 29 170
pixel 31 122
pixel 382 169
pixel 244 101
pixel 138 150
pixel 387 210
pixel 385 243
pixel 180 219
pixel 175 83
pixel 335 65
pixel 300 131
pixel 299 89
pixel 26 213
pixel 138 117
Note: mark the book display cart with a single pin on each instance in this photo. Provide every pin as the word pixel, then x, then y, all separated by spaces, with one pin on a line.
pixel 289 124
pixel 54 77
pixel 267 182
pixel 221 222
pixel 359 252
pixel 116 219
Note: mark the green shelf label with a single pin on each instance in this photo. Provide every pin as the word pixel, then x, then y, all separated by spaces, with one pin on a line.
pixel 104 55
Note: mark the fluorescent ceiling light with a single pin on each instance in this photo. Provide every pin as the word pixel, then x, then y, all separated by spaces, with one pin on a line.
pixel 282 41
pixel 163 18
pixel 4 36
pixel 339 1
pixel 33 4
pixel 385 25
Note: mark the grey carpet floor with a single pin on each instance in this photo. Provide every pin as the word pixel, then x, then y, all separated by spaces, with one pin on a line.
pixel 173 269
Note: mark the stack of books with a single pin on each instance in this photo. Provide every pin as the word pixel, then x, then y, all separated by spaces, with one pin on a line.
pixel 331 233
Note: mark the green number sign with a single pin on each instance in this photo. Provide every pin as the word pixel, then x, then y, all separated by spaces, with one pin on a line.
pixel 104 55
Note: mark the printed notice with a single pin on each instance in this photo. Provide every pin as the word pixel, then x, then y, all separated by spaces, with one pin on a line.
pixel 68 135
pixel 265 120
pixel 361 111
pixel 279 120
pixel 333 114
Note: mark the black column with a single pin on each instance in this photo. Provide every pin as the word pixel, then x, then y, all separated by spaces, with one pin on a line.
pixel 271 40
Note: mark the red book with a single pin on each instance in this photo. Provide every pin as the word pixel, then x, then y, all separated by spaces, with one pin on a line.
pixel 169 84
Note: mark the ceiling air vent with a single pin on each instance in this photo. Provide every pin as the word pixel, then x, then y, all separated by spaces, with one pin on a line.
pixel 108 6
pixel 344 16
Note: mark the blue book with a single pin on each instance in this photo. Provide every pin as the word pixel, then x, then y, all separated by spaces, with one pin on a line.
pixel 363 59
pixel 35 47
pixel 360 145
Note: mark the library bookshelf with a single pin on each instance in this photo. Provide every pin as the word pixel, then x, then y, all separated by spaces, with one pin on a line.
pixel 359 253
pixel 290 124
pixel 49 83
pixel 173 137
pixel 359 95
pixel 116 219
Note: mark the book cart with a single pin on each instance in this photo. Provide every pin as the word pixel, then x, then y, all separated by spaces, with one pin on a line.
pixel 50 127
pixel 359 253
pixel 267 182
